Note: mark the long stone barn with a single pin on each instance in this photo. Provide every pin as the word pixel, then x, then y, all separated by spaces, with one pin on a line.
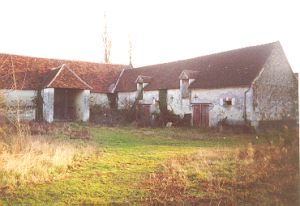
pixel 248 85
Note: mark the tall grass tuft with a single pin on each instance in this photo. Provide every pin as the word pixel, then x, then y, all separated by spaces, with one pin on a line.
pixel 36 159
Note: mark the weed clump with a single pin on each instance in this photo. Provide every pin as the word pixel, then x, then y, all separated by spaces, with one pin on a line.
pixel 257 174
pixel 167 185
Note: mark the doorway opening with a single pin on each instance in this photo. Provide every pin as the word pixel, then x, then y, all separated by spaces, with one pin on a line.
pixel 65 104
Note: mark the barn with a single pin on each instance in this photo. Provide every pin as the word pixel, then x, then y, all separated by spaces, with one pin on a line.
pixel 252 85
pixel 248 85
pixel 52 89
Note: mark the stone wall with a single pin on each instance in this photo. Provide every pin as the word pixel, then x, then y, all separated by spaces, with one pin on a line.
pixel 275 90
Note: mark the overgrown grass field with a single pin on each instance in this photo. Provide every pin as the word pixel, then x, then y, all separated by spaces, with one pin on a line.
pixel 157 166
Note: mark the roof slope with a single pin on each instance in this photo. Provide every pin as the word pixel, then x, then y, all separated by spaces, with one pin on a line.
pixel 66 78
pixel 33 73
pixel 227 69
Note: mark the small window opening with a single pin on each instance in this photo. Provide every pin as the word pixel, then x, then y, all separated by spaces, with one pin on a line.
pixel 227 101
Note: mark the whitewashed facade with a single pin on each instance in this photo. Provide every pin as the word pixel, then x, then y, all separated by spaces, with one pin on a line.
pixel 270 95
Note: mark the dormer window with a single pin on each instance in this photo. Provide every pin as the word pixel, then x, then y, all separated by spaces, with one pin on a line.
pixel 187 77
pixel 141 83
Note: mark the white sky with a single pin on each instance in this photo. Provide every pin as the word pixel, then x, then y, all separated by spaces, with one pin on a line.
pixel 161 31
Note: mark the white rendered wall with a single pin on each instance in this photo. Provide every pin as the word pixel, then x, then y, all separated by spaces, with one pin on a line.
pixel 82 105
pixel 126 99
pixel 148 96
pixel 176 104
pixel 25 99
pixel 234 113
pixel 99 99
pixel 48 104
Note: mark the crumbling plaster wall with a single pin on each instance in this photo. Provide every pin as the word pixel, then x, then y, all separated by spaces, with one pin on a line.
pixel 99 99
pixel 82 105
pixel 25 98
pixel 48 104
pixel 275 90
pixel 148 96
pixel 126 99
pixel 217 112
pixel 176 104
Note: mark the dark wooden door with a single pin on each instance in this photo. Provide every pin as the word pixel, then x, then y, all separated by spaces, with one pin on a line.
pixel 200 115
pixel 143 115
pixel 146 111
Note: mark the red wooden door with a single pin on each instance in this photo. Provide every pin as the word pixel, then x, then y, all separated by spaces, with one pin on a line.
pixel 200 115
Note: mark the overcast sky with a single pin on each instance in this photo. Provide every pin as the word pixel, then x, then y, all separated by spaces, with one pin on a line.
pixel 161 31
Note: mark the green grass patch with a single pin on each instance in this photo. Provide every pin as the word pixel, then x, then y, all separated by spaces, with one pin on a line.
pixel 127 157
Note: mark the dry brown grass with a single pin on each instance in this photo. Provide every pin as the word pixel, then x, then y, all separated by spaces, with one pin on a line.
pixel 34 159
pixel 258 174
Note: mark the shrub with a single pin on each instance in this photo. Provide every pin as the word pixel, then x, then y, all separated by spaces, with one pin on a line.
pixel 111 117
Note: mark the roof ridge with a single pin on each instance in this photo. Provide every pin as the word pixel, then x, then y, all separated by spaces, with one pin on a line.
pixel 207 55
pixel 232 68
pixel 58 59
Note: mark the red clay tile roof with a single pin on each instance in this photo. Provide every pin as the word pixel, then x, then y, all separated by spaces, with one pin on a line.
pixel 227 69
pixel 66 78
pixel 33 73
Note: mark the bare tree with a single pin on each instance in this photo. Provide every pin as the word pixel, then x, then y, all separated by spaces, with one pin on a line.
pixel 106 42
pixel 11 112
pixel 17 122
pixel 130 50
